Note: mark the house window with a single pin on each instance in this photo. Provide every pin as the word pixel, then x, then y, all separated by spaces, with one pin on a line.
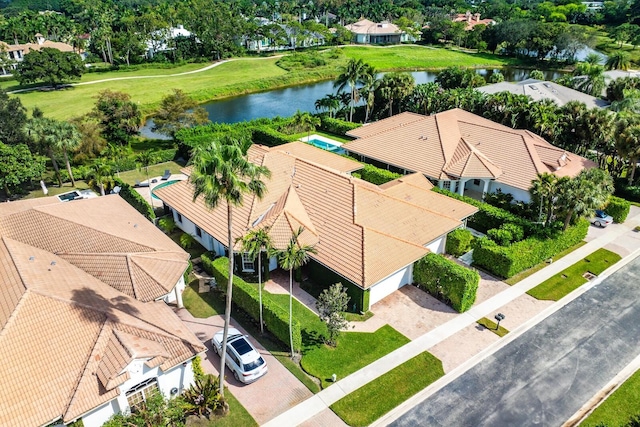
pixel 198 231
pixel 476 182
pixel 142 392
pixel 179 217
pixel 446 185
pixel 247 262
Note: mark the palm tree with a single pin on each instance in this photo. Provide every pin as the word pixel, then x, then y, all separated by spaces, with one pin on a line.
pixel 628 147
pixel 222 172
pixel 590 78
pixel 593 59
pixel 254 243
pixel 41 129
pixel 619 60
pixel 370 84
pixel 294 256
pixel 305 121
pixel 543 192
pixel 67 139
pixel 99 171
pixel 144 160
pixel 395 87
pixel 351 74
pixel 630 102
pixel 581 195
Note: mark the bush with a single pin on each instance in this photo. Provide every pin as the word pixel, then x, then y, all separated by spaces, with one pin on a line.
pixel 167 224
pixel 375 175
pixel 447 281
pixel 629 192
pixel 459 242
pixel 270 137
pixel 618 208
pixel 207 259
pixel 516 231
pixel 500 236
pixel 506 261
pixel 134 198
pixel 336 126
pixel 245 295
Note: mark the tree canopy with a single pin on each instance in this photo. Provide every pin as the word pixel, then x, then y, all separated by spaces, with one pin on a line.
pixel 51 66
pixel 18 166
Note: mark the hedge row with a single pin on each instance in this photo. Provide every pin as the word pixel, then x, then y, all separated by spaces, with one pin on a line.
pixel 506 261
pixel 618 208
pixel 629 192
pixel 270 137
pixel 458 242
pixel 336 126
pixel 375 175
pixel 134 198
pixel 447 281
pixel 245 295
pixel 489 216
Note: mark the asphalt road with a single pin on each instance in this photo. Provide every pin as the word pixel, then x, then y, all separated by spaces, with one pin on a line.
pixel 544 376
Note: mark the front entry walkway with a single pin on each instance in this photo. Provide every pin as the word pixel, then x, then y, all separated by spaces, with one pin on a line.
pixel 278 283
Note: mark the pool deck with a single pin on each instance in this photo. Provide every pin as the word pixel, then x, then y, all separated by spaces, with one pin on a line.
pixel 321 138
pixel 146 191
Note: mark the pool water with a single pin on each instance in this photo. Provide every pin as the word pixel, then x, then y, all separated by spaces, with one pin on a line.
pixel 327 146
pixel 164 184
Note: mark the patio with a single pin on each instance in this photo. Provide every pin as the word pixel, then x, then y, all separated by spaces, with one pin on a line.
pixel 145 191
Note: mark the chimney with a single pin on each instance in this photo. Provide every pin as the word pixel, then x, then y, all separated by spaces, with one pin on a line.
pixel 477 16
pixel 40 39
pixel 468 16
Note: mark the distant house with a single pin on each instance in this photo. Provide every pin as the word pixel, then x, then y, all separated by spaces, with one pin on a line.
pixel 540 89
pixel 14 53
pixel 292 38
pixel 593 5
pixel 367 237
pixel 471 20
pixel 85 331
pixel 463 152
pixel 367 32
pixel 160 40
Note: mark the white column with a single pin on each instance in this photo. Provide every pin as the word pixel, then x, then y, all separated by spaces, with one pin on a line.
pixel 178 292
pixel 486 187
pixel 461 188
pixel 441 184
pixel 452 185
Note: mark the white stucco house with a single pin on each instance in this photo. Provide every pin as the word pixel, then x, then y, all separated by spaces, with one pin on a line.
pixel 367 237
pixel 462 152
pixel 291 38
pixel 368 32
pixel 85 329
pixel 160 40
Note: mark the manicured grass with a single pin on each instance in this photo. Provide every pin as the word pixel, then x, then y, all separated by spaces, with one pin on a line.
pixel 491 325
pixel 571 278
pixel 373 400
pixel 423 58
pixel 357 317
pixel 155 171
pixel 201 305
pixel 526 273
pixel 55 190
pixel 354 350
pixel 619 407
pixel 313 329
pixel 237 416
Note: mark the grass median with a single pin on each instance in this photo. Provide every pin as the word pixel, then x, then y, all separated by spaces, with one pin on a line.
pixel 376 398
pixel 619 407
pixel 572 277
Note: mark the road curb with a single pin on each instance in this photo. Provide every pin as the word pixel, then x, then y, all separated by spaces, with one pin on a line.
pixel 404 407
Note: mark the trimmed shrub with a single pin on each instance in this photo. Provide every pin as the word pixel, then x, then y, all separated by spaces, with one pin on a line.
pixel 618 208
pixel 505 261
pixel 375 175
pixel 629 192
pixel 245 295
pixel 134 198
pixel 500 236
pixel 488 216
pixel 270 137
pixel 447 281
pixel 336 126
pixel 459 242
pixel 207 259
pixel 516 231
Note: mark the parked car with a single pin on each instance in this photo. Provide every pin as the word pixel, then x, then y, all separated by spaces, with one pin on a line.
pixel 242 358
pixel 601 219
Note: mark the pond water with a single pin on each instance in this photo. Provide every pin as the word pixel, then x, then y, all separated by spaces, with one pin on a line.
pixel 285 102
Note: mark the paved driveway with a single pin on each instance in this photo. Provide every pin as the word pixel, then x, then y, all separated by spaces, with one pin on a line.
pixel 547 374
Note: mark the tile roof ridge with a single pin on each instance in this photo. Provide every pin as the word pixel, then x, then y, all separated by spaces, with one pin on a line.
pixel 254 198
pixel 535 159
pixel 105 332
pixel 311 229
pixel 483 159
pixel 134 285
pixel 4 240
pixel 77 224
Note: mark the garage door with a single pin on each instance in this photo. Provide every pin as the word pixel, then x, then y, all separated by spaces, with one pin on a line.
pixel 390 284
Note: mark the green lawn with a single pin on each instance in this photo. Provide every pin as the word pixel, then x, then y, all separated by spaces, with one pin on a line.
pixel 237 416
pixel 491 325
pixel 619 407
pixel 373 400
pixel 571 278
pixel 201 305
pixel 526 273
pixel 353 351
pixel 423 58
pixel 55 190
pixel 130 177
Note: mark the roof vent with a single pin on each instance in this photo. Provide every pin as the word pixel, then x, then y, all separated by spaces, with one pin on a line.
pixel 135 225
pixel 32 258
pixel 53 263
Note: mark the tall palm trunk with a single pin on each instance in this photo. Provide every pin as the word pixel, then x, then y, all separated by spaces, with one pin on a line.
pixel 634 163
pixel 227 311
pixel 66 159
pixel 291 310
pixel 260 289
pixel 55 165
pixel 353 96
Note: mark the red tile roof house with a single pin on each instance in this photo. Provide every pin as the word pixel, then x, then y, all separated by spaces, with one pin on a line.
pixel 84 328
pixel 367 236
pixel 15 52
pixel 367 32
pixel 463 152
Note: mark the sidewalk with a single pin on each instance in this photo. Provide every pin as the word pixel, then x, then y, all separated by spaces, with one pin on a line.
pixel 321 401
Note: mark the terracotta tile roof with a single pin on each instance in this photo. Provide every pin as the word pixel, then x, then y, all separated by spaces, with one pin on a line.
pixel 58 320
pixel 457 143
pixel 339 212
pixel 364 26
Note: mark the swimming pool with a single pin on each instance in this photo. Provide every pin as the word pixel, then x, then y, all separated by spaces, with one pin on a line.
pixel 327 146
pixel 164 184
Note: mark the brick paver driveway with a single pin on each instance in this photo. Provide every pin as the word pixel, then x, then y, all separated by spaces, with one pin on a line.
pixel 271 395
